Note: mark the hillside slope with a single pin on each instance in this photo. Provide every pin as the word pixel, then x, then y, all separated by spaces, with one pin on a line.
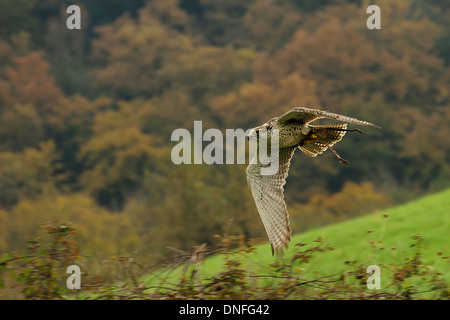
pixel 387 239
pixel 381 238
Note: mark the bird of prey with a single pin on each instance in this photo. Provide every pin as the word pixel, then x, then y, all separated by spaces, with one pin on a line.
pixel 294 131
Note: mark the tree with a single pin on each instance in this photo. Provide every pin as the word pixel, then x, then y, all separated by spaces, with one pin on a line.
pixel 99 232
pixel 67 52
pixel 20 126
pixel 118 155
pixel 131 55
pixel 184 206
pixel 27 81
pixel 16 16
pixel 221 22
pixel 155 53
pixel 334 45
pixel 255 103
pixel 27 174
pixel 271 24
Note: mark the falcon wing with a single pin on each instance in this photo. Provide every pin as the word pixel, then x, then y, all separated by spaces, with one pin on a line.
pixel 268 192
pixel 304 115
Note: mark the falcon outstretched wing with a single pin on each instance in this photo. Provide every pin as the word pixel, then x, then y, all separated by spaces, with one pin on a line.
pixel 268 192
pixel 304 115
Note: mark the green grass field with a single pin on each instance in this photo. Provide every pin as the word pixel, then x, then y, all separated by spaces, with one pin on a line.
pixel 383 238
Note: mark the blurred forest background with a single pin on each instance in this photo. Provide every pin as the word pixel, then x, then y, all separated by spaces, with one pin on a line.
pixel 86 115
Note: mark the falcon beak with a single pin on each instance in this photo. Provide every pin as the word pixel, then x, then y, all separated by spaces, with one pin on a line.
pixel 252 135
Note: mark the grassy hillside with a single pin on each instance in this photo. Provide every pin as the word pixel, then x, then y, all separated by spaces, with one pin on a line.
pixel 384 239
pixel 388 239
pixel 379 238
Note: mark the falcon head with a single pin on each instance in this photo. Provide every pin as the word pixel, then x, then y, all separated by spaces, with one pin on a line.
pixel 262 132
pixel 254 133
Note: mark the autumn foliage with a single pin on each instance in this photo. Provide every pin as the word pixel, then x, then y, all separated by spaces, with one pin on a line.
pixel 86 115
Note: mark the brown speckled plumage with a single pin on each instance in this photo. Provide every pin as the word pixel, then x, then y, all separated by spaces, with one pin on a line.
pixel 294 130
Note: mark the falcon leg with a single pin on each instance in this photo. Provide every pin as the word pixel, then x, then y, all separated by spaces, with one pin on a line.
pixel 341 160
pixel 347 130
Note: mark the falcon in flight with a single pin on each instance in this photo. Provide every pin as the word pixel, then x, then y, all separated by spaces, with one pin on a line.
pixel 294 131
